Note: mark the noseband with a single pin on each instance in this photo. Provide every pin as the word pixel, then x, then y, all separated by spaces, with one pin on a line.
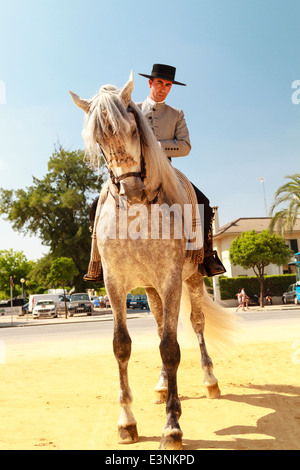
pixel 116 179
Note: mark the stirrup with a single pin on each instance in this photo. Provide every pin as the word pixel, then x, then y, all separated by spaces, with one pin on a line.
pixel 90 278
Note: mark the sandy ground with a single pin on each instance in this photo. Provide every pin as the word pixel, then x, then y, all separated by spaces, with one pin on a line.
pixel 65 395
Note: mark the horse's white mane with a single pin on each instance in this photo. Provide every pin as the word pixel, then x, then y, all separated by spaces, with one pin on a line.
pixel 108 117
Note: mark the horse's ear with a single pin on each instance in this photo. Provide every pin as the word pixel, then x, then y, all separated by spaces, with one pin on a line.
pixel 83 104
pixel 127 90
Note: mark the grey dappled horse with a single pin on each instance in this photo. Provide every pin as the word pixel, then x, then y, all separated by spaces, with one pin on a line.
pixel 141 179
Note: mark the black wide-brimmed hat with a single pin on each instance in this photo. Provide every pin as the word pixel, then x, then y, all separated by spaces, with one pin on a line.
pixel 166 72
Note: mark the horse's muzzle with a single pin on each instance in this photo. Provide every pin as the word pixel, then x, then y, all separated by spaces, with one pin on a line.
pixel 133 188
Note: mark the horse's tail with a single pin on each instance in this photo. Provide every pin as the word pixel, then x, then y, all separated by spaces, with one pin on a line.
pixel 220 325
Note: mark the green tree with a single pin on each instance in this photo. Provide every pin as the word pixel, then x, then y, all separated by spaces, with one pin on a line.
pixel 15 264
pixel 37 278
pixel 56 208
pixel 258 250
pixel 288 194
pixel 62 273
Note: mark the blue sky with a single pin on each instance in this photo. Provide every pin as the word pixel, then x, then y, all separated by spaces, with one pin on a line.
pixel 239 59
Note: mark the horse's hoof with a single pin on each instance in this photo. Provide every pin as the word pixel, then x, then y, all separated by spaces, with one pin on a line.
pixel 127 434
pixel 161 396
pixel 171 442
pixel 213 391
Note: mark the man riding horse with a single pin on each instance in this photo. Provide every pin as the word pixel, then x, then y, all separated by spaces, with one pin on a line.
pixel 169 127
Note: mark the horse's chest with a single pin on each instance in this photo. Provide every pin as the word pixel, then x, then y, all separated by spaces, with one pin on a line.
pixel 137 236
pixel 140 222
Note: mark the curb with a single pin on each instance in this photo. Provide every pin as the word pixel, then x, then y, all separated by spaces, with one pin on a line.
pixel 267 308
pixel 26 320
pixel 8 321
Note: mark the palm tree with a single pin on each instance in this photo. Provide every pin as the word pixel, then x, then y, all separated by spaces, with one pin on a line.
pixel 289 193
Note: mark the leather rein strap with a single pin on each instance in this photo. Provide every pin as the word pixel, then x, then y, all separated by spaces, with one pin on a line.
pixel 116 179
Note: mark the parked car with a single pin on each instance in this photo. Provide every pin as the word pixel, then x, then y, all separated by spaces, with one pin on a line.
pixel 129 299
pixel 253 299
pixel 80 303
pixel 44 308
pixel 17 302
pixel 58 299
pixel 139 301
pixel 290 296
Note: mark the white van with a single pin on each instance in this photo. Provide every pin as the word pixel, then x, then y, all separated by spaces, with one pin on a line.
pixel 58 300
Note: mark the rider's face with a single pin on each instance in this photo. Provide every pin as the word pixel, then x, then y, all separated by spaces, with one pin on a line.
pixel 159 89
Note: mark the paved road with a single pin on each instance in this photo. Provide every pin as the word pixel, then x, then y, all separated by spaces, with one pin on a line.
pixel 73 330
pixel 270 315
pixel 144 324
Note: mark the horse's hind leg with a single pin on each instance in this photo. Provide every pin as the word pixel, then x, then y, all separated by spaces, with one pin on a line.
pixel 195 286
pixel 161 389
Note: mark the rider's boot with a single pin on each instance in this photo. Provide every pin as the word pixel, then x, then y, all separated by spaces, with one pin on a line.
pixel 212 265
pixel 95 272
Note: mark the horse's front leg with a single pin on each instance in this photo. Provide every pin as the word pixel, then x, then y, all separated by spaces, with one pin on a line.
pixel 170 354
pixel 127 429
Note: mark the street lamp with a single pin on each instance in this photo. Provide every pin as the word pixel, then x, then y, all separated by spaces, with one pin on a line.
pixel 22 281
pixel 262 180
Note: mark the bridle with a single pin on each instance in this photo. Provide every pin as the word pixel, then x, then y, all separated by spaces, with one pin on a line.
pixel 117 179
pixel 139 174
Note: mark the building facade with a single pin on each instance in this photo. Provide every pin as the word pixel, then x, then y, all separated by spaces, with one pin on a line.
pixel 224 236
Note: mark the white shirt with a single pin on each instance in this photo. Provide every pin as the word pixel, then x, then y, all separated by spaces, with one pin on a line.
pixel 152 102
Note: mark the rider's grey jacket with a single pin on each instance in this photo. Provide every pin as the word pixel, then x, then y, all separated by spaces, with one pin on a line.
pixel 169 127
